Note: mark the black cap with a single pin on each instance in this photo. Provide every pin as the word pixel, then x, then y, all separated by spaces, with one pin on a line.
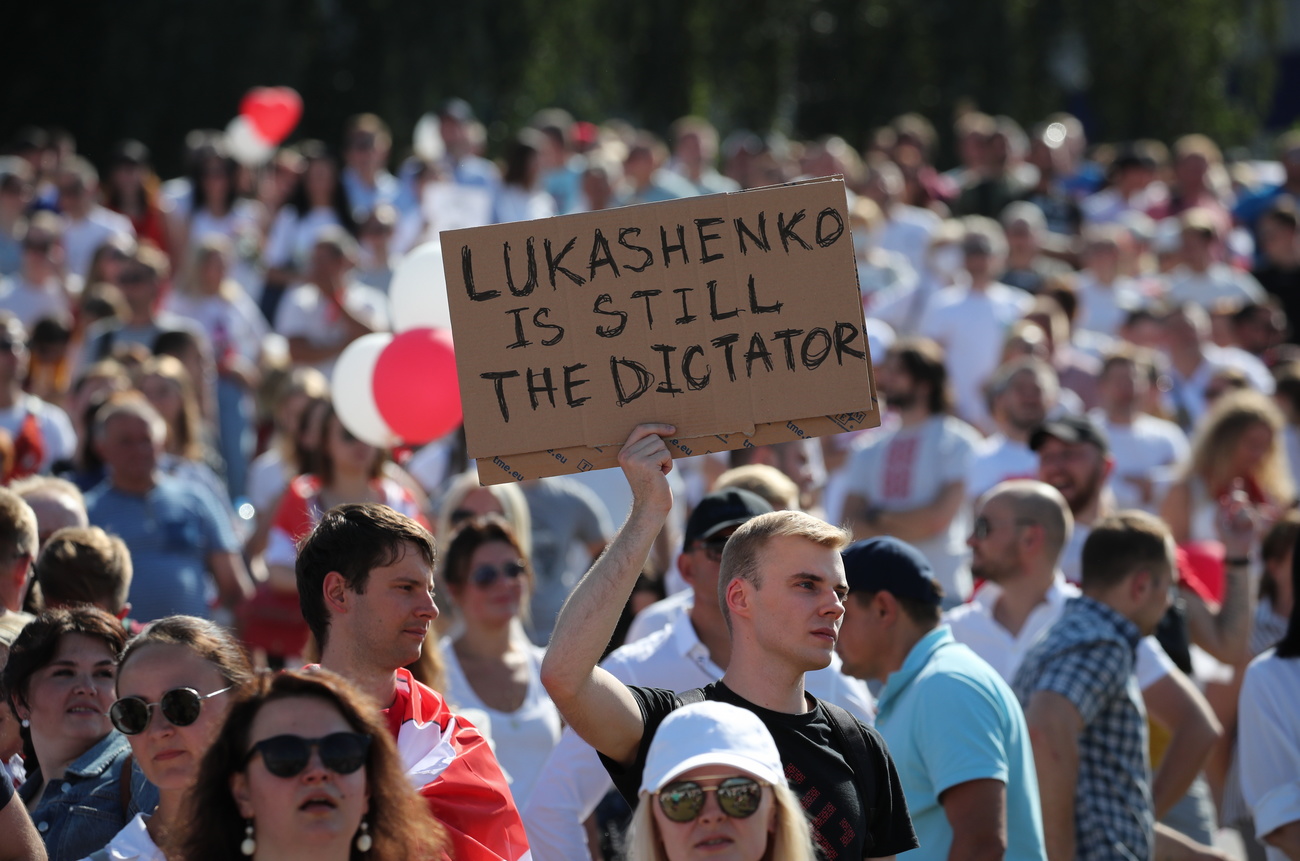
pixel 456 109
pixel 1071 429
pixel 888 565
pixel 721 510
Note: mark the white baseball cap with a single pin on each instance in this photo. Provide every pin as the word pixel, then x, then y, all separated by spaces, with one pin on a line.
pixel 711 733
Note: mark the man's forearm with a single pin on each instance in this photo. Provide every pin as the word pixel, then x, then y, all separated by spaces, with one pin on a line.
pixel 591 613
pixel 1175 703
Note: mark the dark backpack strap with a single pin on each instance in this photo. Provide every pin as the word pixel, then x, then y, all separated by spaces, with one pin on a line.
pixel 686 698
pixel 853 745
pixel 124 785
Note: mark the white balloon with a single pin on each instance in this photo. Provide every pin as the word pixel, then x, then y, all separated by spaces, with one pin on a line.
pixel 245 145
pixel 352 389
pixel 428 144
pixel 418 294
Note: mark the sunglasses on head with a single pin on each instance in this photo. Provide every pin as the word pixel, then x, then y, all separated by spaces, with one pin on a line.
pixel 486 575
pixel 739 798
pixel 288 755
pixel 181 707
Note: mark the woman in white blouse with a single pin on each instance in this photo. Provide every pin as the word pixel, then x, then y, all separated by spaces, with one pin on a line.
pixel 491 665
pixel 1268 740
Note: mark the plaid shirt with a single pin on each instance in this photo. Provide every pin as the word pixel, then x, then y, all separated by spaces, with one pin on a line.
pixel 1088 657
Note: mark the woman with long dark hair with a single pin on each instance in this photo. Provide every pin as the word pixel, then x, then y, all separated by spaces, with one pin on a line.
pixel 490 664
pixel 303 768
pixel 318 201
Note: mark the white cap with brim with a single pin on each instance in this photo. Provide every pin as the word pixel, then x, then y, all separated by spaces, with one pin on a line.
pixel 711 733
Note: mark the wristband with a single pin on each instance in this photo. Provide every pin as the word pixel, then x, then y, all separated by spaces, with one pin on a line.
pixel 1237 562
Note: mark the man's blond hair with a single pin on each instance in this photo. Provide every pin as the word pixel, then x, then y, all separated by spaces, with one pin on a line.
pixel 744 550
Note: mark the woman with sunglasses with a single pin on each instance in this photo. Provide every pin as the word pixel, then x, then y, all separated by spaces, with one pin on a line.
pixel 714 787
pixel 302 768
pixel 491 665
pixel 80 788
pixel 174 686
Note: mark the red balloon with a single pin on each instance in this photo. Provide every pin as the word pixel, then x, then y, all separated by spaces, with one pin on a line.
pixel 416 387
pixel 273 111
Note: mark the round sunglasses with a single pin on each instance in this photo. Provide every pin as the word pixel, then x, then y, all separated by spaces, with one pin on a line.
pixel 739 798
pixel 288 755
pixel 486 575
pixel 181 707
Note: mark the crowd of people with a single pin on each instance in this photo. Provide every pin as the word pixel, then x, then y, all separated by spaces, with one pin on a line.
pixel 1045 610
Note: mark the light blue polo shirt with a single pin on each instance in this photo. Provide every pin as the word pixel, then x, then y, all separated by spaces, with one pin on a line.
pixel 949 718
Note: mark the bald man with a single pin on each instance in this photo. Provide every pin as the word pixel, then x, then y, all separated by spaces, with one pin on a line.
pixel 56 502
pixel 1020 529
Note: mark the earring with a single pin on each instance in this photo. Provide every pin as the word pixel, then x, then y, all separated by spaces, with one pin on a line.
pixel 26 723
pixel 249 845
pixel 364 842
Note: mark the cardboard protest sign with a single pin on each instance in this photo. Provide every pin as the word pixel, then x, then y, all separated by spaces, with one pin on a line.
pixel 735 317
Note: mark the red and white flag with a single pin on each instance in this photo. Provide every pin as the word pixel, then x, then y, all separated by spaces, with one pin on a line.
pixel 450 763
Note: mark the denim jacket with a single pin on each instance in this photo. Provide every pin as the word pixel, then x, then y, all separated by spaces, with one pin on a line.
pixel 81 812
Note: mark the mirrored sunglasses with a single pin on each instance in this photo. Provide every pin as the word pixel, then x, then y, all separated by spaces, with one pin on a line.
pixel 739 798
pixel 181 707
pixel 287 755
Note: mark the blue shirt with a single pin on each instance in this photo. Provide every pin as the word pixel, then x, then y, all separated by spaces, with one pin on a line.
pixel 949 718
pixel 171 531
pixel 1088 657
pixel 79 813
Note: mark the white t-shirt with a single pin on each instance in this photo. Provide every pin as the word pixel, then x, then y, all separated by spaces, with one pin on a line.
pixel 1268 743
pixel 996 460
pixel 1104 308
pixel 83 236
pixel 230 323
pixel 1149 448
pixel 908 232
pixel 517 204
pixel 1291 436
pixel 242 225
pixel 292 237
pixel 268 476
pixel 908 468
pixel 31 304
pixel 305 312
pixel 1218 283
pixel 973 624
pixel 1187 394
pixel 971 326
pixel 133 843
pixel 522 739
pixel 56 430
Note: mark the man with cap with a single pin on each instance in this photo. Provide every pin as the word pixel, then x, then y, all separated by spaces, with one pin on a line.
pixel 1074 457
pixel 685 645
pixel 953 725
pixel 780 590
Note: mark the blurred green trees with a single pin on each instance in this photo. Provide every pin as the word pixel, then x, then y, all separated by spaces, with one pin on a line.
pixel 154 69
